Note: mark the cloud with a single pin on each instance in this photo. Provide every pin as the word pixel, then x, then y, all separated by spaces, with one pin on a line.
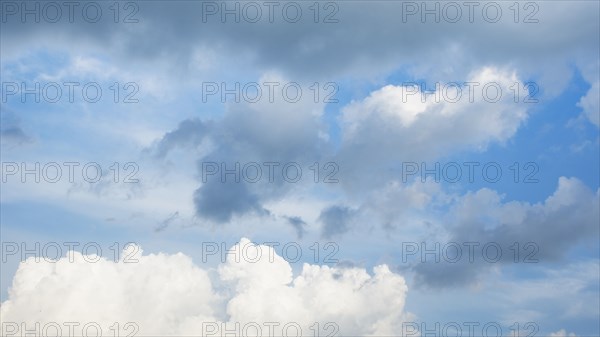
pixel 370 46
pixel 368 30
pixel 14 136
pixel 271 130
pixel 220 201
pixel 562 333
pixel 397 204
pixel 11 133
pixel 336 221
pixel 170 295
pixel 590 104
pixel 568 216
pixel 165 223
pixel 578 281
pixel 189 133
pixel 394 124
pixel 159 293
pixel 298 225
pixel 565 219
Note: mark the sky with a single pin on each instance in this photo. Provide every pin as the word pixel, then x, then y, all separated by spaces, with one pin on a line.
pixel 313 168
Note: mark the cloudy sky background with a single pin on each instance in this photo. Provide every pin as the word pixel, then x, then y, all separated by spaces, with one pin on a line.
pixel 369 132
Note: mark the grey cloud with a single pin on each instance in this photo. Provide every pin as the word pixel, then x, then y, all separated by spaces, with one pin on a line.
pixel 14 136
pixel 11 131
pixel 366 31
pixel 219 201
pixel 249 133
pixel 446 275
pixel 189 133
pixel 545 233
pixel 278 131
pixel 165 223
pixel 569 216
pixel 298 225
pixel 336 220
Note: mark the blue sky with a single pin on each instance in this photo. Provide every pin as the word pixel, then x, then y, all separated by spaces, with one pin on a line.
pixel 150 143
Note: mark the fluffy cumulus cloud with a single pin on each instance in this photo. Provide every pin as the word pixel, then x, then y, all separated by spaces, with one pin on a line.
pixel 159 293
pixel 406 123
pixel 253 291
pixel 483 110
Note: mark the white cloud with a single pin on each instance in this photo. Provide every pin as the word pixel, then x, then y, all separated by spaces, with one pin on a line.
pixel 170 295
pixel 562 333
pixel 392 126
pixel 472 119
pixel 590 104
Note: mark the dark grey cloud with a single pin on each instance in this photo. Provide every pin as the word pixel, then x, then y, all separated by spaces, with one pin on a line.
pixel 220 201
pixel 447 275
pixel 569 216
pixel 248 133
pixel 336 221
pixel 365 31
pixel 545 233
pixel 189 133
